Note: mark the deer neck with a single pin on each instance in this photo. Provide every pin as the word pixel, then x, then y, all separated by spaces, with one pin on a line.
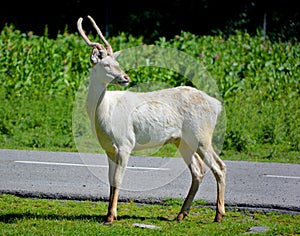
pixel 95 97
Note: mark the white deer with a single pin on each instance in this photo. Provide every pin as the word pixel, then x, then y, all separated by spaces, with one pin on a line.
pixel 122 120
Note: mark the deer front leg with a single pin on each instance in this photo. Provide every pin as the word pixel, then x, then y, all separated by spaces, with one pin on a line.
pixel 117 167
pixel 112 207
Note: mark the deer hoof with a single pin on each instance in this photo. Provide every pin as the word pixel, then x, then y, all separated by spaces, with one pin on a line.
pixel 181 216
pixel 218 217
pixel 107 223
pixel 109 220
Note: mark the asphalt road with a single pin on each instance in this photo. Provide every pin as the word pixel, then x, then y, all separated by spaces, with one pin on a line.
pixel 62 175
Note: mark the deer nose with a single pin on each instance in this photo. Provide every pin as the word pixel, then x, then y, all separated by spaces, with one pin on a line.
pixel 126 77
pixel 123 80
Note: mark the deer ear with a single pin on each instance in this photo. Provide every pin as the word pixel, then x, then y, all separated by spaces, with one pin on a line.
pixel 95 56
pixel 102 53
pixel 116 54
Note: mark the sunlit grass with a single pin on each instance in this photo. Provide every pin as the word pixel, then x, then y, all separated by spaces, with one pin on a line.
pixel 21 216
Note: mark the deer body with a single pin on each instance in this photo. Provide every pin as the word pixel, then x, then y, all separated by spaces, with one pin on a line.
pixel 125 121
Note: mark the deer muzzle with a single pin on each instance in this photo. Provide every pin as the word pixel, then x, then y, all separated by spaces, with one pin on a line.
pixel 122 80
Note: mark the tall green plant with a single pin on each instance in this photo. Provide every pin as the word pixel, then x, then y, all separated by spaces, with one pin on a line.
pixel 259 82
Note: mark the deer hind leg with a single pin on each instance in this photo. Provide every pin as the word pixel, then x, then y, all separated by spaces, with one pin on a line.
pixel 117 167
pixel 197 169
pixel 218 168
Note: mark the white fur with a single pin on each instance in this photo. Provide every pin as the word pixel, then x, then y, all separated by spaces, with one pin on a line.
pixel 125 121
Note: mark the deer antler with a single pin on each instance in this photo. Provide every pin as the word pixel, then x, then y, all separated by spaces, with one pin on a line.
pixel 85 38
pixel 108 47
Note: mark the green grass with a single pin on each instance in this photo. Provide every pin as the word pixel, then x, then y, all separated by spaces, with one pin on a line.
pixel 19 216
pixel 45 124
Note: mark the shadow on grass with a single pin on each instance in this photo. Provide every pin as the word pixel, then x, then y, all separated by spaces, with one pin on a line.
pixel 142 218
pixel 12 218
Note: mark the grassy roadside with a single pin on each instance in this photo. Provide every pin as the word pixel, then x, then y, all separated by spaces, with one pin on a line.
pixel 45 124
pixel 20 216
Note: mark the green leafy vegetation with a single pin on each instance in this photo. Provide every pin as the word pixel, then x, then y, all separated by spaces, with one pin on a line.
pixel 20 216
pixel 259 82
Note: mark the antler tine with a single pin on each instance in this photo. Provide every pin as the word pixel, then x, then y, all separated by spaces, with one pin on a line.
pixel 108 47
pixel 85 38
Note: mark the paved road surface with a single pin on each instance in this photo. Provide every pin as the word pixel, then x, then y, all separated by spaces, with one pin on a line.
pixel 84 176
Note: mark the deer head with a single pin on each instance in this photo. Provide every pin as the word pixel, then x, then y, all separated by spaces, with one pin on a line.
pixel 105 68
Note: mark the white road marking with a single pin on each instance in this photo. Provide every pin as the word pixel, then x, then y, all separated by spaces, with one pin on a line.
pixel 85 165
pixel 282 176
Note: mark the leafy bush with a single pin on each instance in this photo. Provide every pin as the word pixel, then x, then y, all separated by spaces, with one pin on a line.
pixel 258 81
